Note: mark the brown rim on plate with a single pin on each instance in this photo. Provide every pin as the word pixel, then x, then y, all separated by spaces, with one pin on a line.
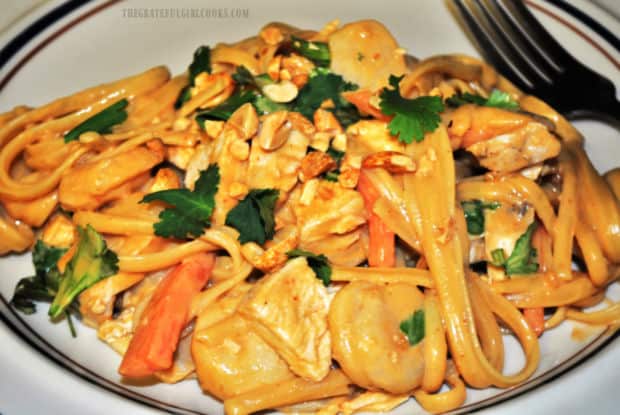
pixel 27 333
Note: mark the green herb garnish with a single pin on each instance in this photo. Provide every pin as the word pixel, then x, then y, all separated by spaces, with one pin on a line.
pixel 522 260
pixel 317 52
pixel 253 216
pixel 324 85
pixel 412 117
pixel 190 211
pixel 102 122
pixel 474 215
pixel 92 262
pixel 264 105
pixel 413 327
pixel 226 108
pixel 201 63
pixel 318 263
pixel 497 99
pixel 43 286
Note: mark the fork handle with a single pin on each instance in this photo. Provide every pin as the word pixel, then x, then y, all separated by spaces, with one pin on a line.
pixel 608 112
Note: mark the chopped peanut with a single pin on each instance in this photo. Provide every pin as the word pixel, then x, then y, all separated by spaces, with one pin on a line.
pixel 273 68
pixel 392 161
pixel 245 120
pixel 213 128
pixel 314 164
pixel 268 138
pixel 239 149
pixel 272 35
pixel 283 91
pixel 308 192
pixel 326 121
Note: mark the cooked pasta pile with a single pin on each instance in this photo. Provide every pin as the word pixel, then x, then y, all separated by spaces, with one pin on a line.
pixel 312 221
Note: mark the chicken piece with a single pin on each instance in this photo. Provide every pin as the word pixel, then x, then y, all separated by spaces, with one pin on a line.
pixel 503 226
pixel 278 169
pixel 117 332
pixel 232 171
pixel 89 185
pixel 501 140
pixel 180 156
pixel 288 309
pixel 330 220
pixel 14 235
pixel 366 54
pixel 59 232
pixel 524 147
pixel 97 301
pixel 285 212
pixel 231 359
pixel 371 136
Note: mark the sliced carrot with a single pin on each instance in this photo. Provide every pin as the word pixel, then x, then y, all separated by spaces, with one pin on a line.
pixel 66 257
pixel 361 99
pixel 157 334
pixel 381 239
pixel 535 317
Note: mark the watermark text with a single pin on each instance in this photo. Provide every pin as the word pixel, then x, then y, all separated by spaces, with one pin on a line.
pixel 185 13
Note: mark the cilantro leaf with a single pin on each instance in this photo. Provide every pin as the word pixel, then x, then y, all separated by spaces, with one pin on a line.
pixel 44 284
pixel 522 260
pixel 332 176
pixel 92 262
pixel 102 122
pixel 191 210
pixel 413 327
pixel 184 96
pixel 226 108
pixel 337 155
pixel 243 77
pixel 500 99
pixel 318 263
pixel 253 216
pixel 497 99
pixel 264 105
pixel 200 63
pixel 498 257
pixel 412 117
pixel 317 52
pixel 523 257
pixel 457 100
pixel 324 85
pixel 474 216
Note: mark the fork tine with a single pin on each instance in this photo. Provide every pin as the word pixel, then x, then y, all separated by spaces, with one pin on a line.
pixel 539 34
pixel 513 33
pixel 505 42
pixel 516 25
pixel 489 49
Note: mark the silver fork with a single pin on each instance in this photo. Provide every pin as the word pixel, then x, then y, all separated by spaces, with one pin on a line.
pixel 521 49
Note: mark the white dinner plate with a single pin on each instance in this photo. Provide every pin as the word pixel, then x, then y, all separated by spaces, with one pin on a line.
pixel 64 47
